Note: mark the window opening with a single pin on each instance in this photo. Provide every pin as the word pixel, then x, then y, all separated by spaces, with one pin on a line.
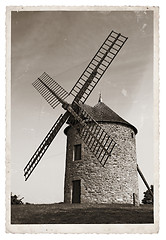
pixel 77 152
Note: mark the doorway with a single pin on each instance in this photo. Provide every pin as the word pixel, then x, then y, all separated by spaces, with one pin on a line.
pixel 76 191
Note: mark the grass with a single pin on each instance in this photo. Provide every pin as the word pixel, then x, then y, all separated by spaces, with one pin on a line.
pixel 81 214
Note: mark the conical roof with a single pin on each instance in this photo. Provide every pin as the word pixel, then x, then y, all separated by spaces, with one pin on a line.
pixel 102 113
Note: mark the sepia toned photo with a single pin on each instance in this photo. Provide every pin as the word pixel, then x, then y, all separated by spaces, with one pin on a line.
pixel 82 120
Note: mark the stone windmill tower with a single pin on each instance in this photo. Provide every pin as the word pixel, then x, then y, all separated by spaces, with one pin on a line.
pixel 101 157
pixel 117 182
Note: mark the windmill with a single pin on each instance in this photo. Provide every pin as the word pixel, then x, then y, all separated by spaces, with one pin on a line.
pixel 96 138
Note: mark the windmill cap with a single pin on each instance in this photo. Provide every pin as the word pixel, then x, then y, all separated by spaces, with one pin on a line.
pixel 101 113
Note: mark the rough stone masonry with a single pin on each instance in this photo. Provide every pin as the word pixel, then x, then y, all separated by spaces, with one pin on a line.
pixel 117 182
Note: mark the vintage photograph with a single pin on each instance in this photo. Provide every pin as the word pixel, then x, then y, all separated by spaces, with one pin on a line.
pixel 82 129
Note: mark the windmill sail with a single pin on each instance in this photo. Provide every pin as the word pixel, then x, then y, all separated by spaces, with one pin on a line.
pixel 94 136
pixel 45 80
pixel 97 140
pixel 90 77
pixel 97 67
pixel 44 145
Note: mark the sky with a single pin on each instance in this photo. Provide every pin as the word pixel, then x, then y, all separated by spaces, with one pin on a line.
pixel 62 44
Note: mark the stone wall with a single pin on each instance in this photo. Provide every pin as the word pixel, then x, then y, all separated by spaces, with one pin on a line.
pixel 114 183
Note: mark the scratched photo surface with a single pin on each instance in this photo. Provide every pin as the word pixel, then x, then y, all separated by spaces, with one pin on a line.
pixel 62 44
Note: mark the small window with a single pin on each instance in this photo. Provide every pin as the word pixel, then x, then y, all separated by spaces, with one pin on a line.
pixel 132 135
pixel 77 152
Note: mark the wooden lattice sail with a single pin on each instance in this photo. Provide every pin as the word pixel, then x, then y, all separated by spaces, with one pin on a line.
pixel 55 94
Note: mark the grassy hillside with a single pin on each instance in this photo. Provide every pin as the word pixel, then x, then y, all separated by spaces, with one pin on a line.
pixel 80 214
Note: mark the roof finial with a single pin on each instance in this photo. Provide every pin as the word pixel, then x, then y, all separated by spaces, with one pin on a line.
pixel 100 99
